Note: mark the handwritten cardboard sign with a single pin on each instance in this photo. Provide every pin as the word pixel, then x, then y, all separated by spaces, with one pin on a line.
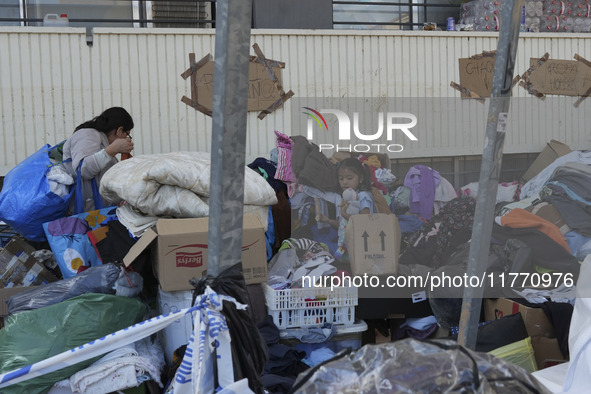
pixel 261 90
pixel 561 77
pixel 477 74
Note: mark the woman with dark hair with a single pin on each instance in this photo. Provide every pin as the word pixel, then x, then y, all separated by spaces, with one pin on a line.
pixel 95 144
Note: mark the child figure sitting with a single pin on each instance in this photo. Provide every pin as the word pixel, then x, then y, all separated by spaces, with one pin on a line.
pixel 354 176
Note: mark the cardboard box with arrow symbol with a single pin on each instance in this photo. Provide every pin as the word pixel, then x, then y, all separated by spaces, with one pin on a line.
pixel 373 243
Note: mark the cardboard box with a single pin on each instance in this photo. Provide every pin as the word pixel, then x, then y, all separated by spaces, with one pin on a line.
pixel 535 319
pixel 18 267
pixel 373 243
pixel 553 150
pixel 179 251
pixel 546 352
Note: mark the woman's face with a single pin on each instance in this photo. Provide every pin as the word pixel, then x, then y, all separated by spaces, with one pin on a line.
pixel 348 179
pixel 117 133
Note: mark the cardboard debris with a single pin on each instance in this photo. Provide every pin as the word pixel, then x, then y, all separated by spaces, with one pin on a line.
pixel 179 251
pixel 535 319
pixel 546 352
pixel 18 267
pixel 553 150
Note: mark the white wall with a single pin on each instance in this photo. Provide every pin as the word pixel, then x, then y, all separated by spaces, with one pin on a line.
pixel 50 81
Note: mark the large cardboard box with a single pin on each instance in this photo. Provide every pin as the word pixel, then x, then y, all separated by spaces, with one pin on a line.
pixel 546 352
pixel 373 243
pixel 179 251
pixel 535 319
pixel 18 266
pixel 553 150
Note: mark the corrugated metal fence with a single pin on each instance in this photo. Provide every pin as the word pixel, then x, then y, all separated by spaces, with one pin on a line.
pixel 51 80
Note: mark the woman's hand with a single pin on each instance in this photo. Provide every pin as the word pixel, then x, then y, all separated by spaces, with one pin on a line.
pixel 120 145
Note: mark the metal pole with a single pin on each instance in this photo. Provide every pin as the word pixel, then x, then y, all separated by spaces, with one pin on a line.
pixel 230 95
pixel 490 169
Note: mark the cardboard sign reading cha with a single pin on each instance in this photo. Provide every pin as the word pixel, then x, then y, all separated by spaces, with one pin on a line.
pixel 373 243
pixel 179 251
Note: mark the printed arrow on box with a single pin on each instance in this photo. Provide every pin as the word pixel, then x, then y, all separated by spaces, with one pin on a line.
pixel 365 236
pixel 383 237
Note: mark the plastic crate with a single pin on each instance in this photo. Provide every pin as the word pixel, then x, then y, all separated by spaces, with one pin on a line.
pixel 314 306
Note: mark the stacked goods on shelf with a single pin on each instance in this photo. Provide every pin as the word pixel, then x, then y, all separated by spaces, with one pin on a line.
pixel 538 15
pixel 483 15
pixel 566 16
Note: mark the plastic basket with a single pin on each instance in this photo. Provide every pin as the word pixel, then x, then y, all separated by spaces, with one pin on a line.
pixel 308 307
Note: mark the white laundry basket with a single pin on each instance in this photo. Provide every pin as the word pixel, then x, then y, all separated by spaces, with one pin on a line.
pixel 314 306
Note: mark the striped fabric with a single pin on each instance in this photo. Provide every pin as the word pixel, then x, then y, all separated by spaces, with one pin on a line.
pixel 283 172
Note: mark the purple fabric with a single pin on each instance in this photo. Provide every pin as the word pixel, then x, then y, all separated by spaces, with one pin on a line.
pixel 422 181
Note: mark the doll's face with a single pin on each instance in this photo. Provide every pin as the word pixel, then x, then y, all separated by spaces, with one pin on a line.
pixel 349 194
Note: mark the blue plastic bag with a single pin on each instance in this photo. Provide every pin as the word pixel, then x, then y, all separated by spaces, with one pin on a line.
pixel 70 244
pixel 26 200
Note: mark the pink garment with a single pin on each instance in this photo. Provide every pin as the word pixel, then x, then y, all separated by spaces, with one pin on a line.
pixel 283 172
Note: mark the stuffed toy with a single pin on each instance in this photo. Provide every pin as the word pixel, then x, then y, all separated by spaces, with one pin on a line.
pixel 350 196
